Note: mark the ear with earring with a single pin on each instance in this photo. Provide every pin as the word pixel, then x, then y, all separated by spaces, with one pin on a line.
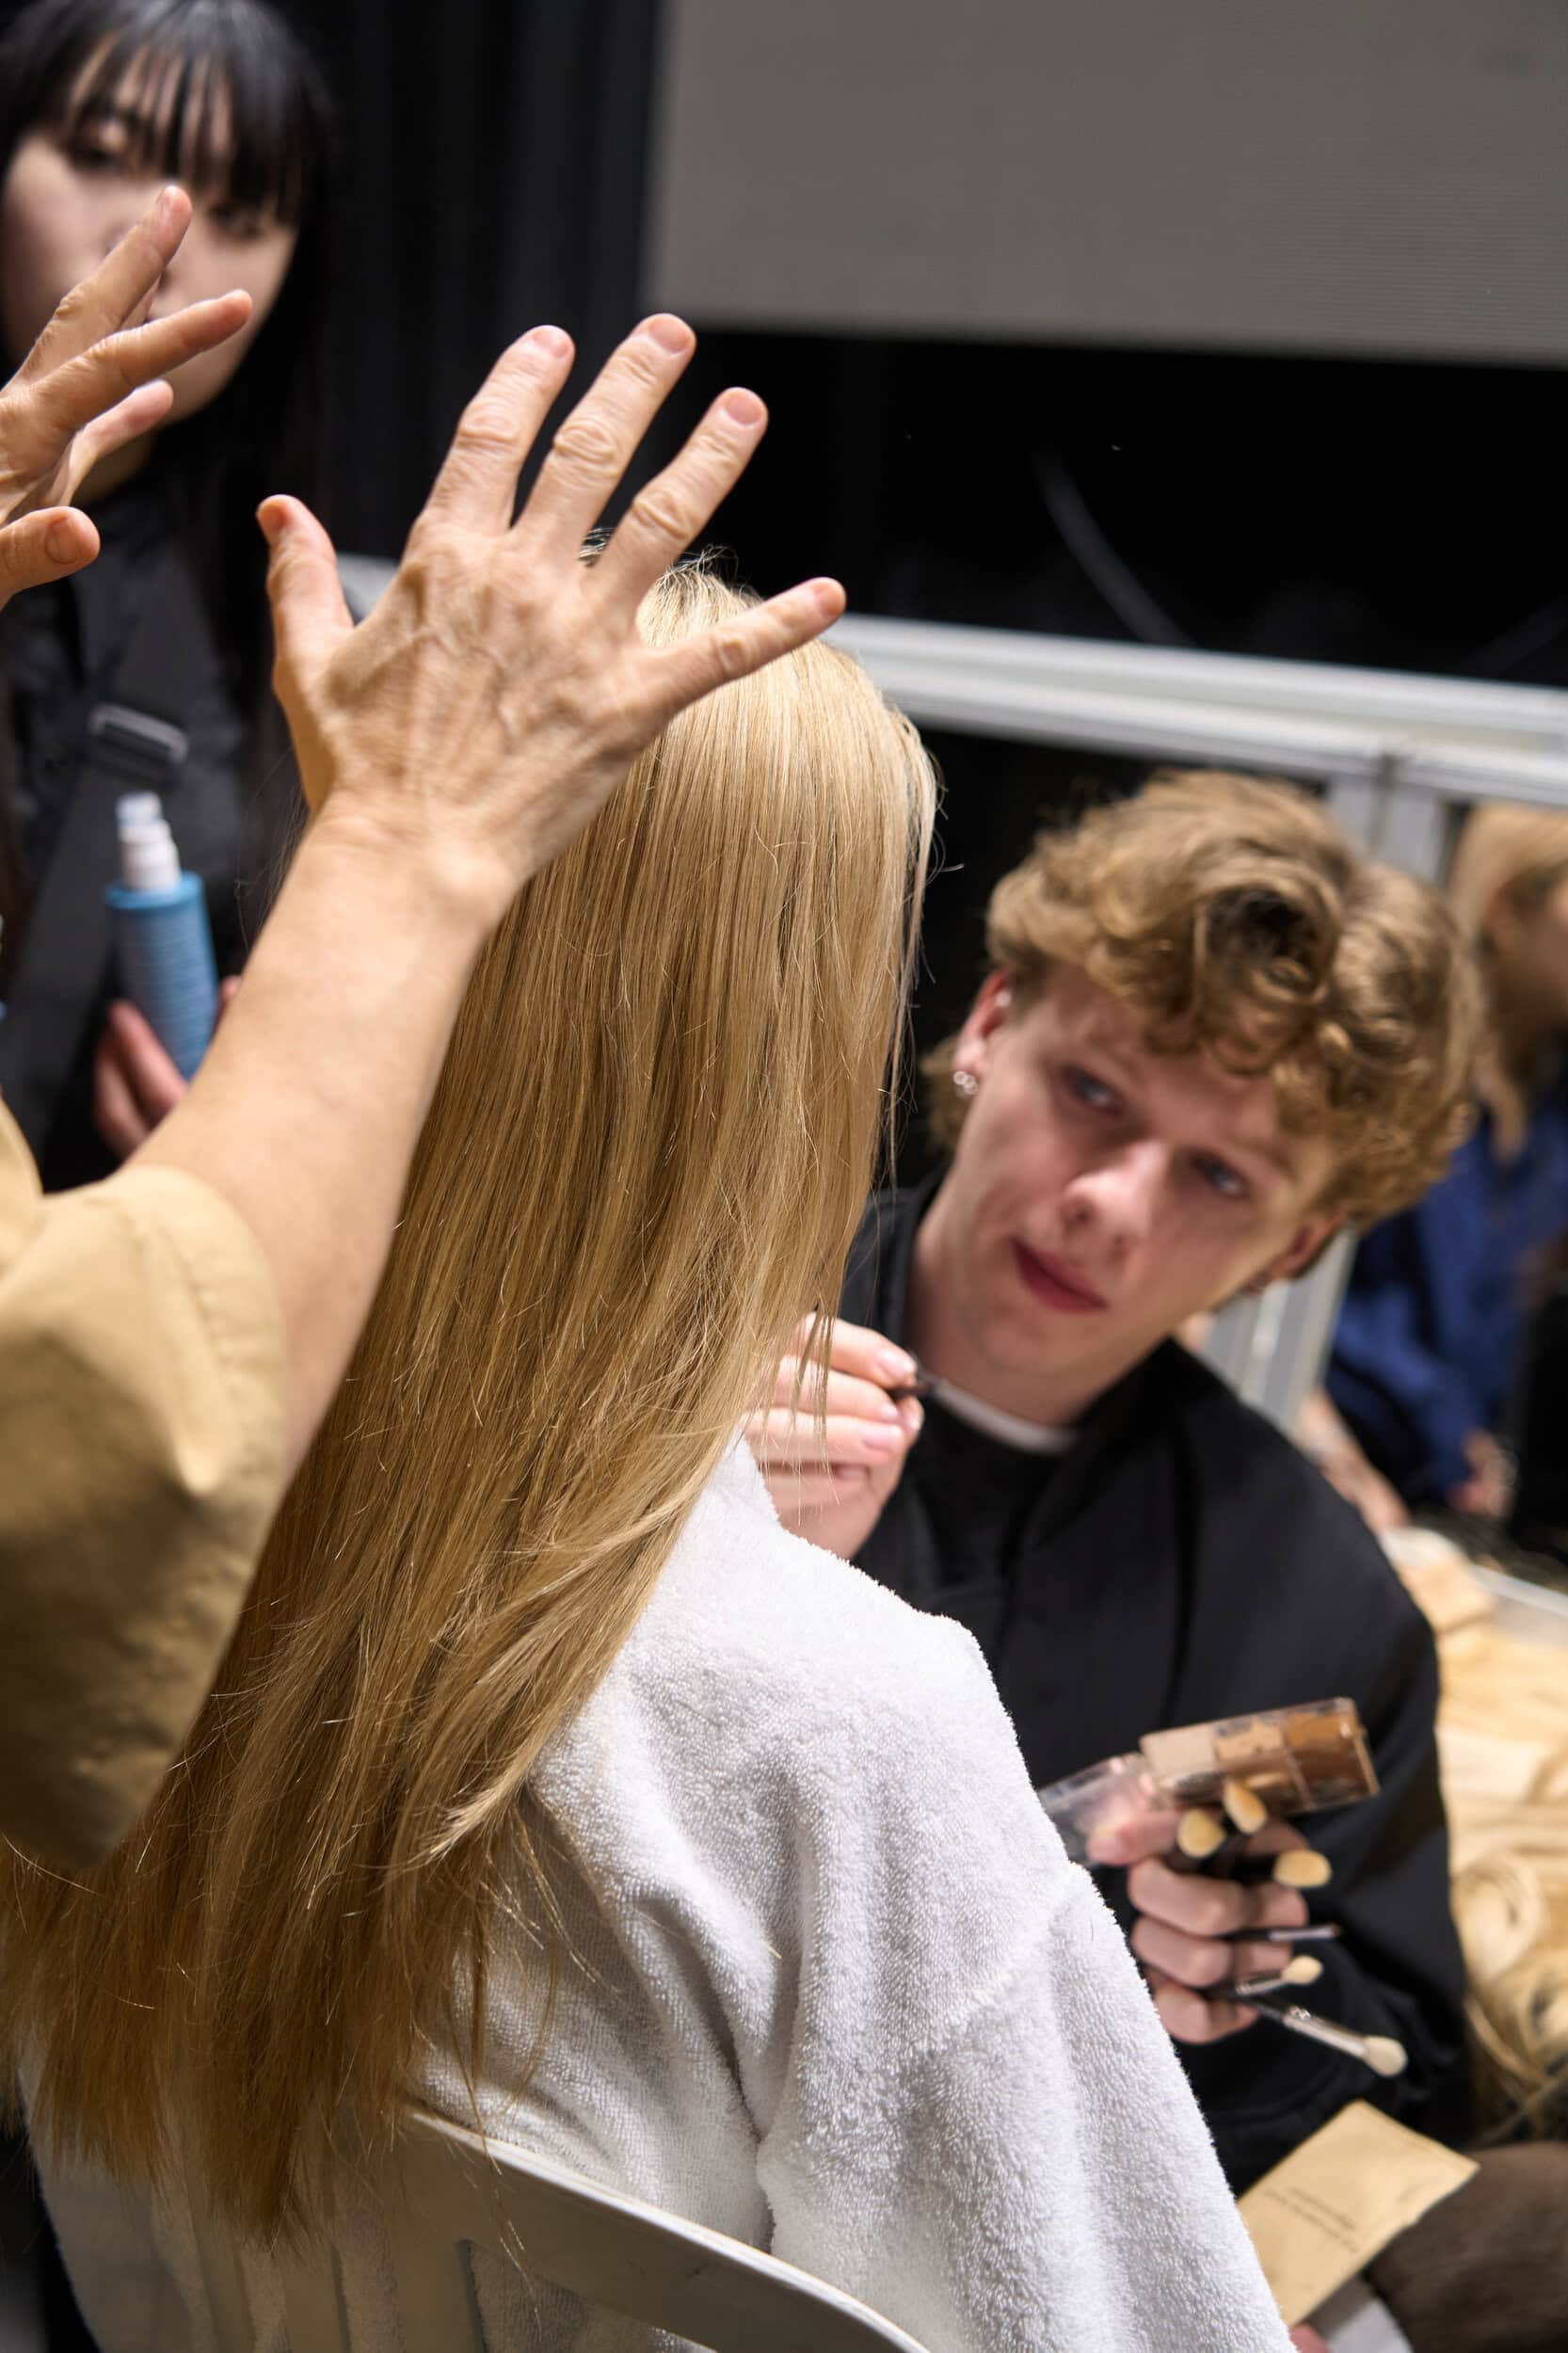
pixel 967 1083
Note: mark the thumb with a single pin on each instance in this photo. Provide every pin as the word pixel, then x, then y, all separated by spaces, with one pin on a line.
pixel 310 615
pixel 44 546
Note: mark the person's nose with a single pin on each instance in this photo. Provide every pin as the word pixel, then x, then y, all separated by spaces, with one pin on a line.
pixel 1113 1202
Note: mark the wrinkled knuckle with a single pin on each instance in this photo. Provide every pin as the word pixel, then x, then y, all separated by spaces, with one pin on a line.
pixel 645 366
pixel 654 511
pixel 433 553
pixel 588 446
pixel 1211 1913
pixel 485 429
pixel 730 645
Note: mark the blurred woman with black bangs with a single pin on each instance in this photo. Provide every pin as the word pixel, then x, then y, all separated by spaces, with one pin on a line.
pixel 149 669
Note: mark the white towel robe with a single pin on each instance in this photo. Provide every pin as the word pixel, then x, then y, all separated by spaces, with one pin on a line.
pixel 844 1997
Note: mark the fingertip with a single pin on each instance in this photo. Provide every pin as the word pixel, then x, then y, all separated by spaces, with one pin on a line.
pixel 828 596
pixel 171 209
pixel 743 407
pixel 71 538
pixel 672 335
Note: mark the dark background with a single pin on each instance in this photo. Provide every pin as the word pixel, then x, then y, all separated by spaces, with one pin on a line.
pixel 495 156
pixel 1347 510
pixel 1399 514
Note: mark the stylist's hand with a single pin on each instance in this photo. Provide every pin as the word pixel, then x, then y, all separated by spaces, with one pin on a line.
pixel 90 383
pixel 833 1491
pixel 1189 1934
pixel 135 1083
pixel 499 689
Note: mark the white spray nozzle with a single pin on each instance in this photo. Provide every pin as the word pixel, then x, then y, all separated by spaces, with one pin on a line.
pixel 147 857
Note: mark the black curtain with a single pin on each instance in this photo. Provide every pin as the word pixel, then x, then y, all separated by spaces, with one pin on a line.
pixel 494 157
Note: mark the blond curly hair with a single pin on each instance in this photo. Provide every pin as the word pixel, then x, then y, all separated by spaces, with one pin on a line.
pixel 1238 918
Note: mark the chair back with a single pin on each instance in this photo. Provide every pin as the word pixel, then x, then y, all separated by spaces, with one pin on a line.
pixel 448 2188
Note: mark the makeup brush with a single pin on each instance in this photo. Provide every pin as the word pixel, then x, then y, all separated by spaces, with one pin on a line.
pixel 1204 1844
pixel 1298 1866
pixel 1380 2052
pixel 1303 1970
pixel 1316 1932
pixel 1244 1806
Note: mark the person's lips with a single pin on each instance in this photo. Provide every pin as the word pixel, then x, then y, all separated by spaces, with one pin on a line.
pixel 1056 1284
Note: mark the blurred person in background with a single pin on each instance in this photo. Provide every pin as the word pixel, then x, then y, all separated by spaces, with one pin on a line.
pixel 99 102
pixel 1428 1352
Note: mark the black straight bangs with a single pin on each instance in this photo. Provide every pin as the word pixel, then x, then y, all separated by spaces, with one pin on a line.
pixel 218 95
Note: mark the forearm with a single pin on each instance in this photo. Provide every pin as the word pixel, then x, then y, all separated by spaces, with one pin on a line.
pixel 306 1110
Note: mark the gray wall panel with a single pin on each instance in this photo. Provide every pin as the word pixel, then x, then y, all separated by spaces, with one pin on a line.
pixel 1375 176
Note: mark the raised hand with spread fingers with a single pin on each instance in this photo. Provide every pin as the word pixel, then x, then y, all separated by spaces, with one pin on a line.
pixel 500 688
pixel 94 381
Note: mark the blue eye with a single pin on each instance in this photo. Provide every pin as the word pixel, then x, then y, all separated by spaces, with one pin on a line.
pixel 1091 1092
pixel 1223 1179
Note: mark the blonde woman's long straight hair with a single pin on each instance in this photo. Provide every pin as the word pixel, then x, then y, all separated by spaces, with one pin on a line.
pixel 646 1158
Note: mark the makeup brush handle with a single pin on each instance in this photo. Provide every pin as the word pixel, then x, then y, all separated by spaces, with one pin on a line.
pixel 1295 2019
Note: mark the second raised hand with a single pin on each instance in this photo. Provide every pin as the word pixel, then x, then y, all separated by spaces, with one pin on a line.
pixel 93 381
pixel 500 688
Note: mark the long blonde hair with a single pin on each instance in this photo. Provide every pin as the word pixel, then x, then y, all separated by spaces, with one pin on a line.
pixel 646 1155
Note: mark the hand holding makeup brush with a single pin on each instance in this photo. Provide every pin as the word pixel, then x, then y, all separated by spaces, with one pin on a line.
pixel 1211 1900
pixel 829 1483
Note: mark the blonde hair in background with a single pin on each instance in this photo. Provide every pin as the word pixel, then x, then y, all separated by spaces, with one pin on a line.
pixel 647 1153
pixel 1242 922
pixel 1503 1741
pixel 1506 846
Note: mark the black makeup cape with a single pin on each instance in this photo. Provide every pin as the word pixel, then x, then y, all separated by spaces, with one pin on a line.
pixel 1183 1561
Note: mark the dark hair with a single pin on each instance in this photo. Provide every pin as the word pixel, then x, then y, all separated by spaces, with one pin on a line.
pixel 63 62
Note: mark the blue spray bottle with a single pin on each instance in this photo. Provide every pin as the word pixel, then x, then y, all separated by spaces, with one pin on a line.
pixel 163 938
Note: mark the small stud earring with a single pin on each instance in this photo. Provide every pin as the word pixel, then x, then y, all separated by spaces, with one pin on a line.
pixel 967 1083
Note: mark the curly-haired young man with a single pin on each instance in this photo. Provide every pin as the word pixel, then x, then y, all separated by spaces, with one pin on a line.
pixel 1212 1032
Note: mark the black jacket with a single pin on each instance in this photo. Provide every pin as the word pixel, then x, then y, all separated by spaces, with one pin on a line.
pixel 1182 1561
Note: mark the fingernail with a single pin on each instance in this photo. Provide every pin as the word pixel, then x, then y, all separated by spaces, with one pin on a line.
pixel 889 1411
pixel 551 339
pixel 61 542
pixel 893 1364
pixel 271 524
pixel 671 334
pixel 743 407
pixel 912 1414
pixel 878 1441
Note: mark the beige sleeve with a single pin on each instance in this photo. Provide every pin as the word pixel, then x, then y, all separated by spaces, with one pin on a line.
pixel 141 1459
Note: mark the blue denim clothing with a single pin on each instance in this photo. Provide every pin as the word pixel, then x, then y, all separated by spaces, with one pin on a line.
pixel 1430 1334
